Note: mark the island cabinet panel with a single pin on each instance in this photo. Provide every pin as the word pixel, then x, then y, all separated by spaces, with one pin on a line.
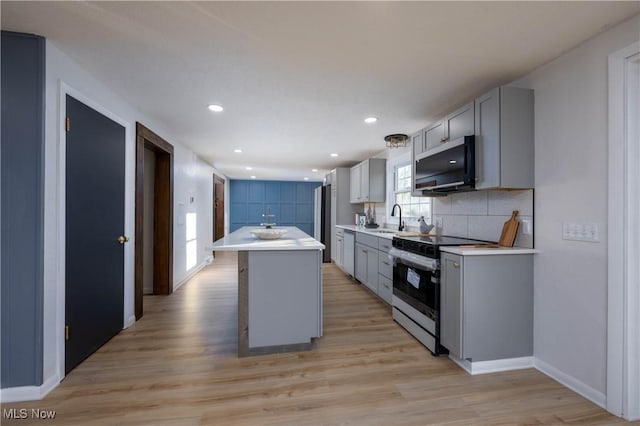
pixel 284 298
pixel 487 306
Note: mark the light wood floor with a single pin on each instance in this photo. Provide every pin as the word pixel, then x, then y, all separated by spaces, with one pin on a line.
pixel 178 366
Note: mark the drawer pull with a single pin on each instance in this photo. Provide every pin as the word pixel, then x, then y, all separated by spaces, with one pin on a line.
pixel 456 264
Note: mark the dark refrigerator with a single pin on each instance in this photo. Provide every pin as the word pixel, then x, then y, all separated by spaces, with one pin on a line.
pixel 322 220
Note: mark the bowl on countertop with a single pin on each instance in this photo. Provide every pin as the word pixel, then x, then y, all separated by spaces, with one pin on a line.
pixel 268 234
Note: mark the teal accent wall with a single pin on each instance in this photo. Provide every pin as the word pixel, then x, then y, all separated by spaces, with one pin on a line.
pixel 292 203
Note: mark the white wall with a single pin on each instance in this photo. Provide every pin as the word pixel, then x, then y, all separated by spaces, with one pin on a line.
pixel 570 305
pixel 192 176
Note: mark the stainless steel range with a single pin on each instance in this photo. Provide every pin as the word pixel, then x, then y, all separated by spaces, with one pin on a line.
pixel 416 286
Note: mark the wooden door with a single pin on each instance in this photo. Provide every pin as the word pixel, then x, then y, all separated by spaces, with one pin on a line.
pixel 218 208
pixel 94 240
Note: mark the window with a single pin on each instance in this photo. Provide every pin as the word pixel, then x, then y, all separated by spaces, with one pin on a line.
pixel 412 207
pixel 192 243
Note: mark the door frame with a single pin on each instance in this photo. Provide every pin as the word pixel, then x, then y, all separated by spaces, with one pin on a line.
pixel 55 329
pixel 163 215
pixel 623 330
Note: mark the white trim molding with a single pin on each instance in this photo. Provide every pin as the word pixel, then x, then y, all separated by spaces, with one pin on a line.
pixel 493 366
pixel 623 317
pixel 192 272
pixel 29 393
pixel 571 382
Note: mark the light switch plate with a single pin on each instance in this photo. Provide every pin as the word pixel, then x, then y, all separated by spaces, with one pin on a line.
pixel 439 222
pixel 580 232
pixel 527 227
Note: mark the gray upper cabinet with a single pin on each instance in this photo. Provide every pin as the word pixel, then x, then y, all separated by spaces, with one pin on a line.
pixel 504 130
pixel 368 181
pixel 459 123
pixel 486 306
pixel 417 142
pixel 434 135
pixel 355 186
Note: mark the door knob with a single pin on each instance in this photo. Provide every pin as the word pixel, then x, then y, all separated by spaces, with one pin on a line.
pixel 122 239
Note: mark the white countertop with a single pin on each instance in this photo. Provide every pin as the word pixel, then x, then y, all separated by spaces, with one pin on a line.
pixel 242 240
pixel 462 251
pixel 372 231
pixel 473 251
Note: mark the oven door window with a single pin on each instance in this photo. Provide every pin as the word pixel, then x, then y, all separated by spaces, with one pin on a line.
pixel 414 286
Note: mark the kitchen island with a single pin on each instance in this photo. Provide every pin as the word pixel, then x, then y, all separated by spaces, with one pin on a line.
pixel 279 290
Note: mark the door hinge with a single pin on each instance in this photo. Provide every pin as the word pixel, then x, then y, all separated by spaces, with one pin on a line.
pixel 67 124
pixel 66 332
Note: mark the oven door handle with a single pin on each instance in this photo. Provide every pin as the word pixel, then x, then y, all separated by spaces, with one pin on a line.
pixel 413 260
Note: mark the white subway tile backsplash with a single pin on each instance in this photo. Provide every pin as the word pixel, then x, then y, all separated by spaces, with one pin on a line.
pixel 486 227
pixel 441 205
pixel 455 225
pixel 523 240
pixel 469 203
pixel 504 202
pixel 481 214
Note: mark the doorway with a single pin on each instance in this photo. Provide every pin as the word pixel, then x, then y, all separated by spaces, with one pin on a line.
pixel 153 216
pixel 94 230
pixel 218 207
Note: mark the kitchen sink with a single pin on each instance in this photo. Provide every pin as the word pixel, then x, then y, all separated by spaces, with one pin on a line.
pixel 383 231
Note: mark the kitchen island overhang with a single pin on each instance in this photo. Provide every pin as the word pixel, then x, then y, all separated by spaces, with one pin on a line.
pixel 279 290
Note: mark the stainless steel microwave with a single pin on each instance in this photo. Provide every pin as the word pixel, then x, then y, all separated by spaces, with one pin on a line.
pixel 448 168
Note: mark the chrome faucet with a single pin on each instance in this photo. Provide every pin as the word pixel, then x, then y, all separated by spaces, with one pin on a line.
pixel 393 209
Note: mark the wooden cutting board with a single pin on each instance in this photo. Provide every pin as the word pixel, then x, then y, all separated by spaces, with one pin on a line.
pixel 509 230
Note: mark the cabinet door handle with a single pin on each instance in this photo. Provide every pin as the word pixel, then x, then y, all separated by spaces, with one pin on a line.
pixel 365 251
pixel 456 264
pixel 385 262
pixel 443 139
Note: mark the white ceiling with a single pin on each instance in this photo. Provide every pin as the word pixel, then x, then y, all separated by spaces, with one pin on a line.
pixel 298 78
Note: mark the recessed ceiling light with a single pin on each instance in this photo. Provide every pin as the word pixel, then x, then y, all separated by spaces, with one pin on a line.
pixel 216 108
pixel 452 161
pixel 314 170
pixel 253 177
pixel 237 151
pixel 370 120
pixel 249 168
pixel 305 178
pixel 333 154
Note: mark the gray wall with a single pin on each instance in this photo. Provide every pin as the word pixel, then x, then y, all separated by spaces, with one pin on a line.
pixel 23 73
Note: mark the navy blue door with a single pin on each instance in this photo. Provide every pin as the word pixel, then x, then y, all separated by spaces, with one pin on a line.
pixel 95 149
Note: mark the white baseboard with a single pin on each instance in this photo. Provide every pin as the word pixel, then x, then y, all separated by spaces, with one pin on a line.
pixel 29 393
pixel 193 271
pixel 129 322
pixel 494 366
pixel 598 398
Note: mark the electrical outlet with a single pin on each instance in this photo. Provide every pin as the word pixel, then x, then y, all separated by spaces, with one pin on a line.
pixel 580 232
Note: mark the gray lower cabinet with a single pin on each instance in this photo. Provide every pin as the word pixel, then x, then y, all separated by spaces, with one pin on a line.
pixel 367 266
pixel 373 268
pixel 486 306
pixel 339 259
pixel 348 247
